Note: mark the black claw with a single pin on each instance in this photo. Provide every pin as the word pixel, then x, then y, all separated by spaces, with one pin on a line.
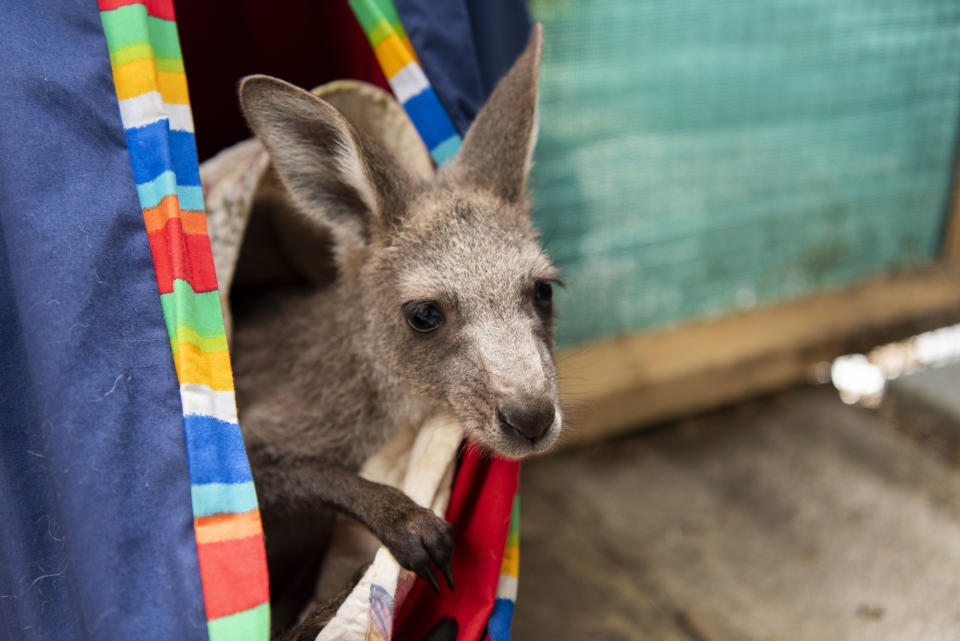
pixel 448 575
pixel 442 558
pixel 431 579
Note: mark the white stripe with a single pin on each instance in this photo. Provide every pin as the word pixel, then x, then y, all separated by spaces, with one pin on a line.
pixel 181 119
pixel 408 82
pixel 149 108
pixel 200 399
pixel 507 587
pixel 142 110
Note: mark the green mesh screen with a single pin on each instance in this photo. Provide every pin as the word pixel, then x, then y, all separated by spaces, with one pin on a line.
pixel 701 156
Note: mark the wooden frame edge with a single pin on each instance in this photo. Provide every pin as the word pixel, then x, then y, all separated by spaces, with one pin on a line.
pixel 619 385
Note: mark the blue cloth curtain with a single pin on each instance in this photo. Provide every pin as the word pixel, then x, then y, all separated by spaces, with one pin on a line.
pixel 96 532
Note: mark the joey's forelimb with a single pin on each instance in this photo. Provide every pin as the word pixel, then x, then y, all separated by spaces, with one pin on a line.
pixel 414 535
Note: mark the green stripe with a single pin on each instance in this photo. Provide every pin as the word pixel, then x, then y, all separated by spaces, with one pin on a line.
pixel 163 37
pixel 390 13
pixel 125 26
pixel 249 625
pixel 513 534
pixel 199 313
pixel 130 26
pixel 369 15
pixel 378 18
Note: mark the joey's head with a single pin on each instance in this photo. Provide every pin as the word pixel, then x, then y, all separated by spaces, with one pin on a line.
pixel 449 289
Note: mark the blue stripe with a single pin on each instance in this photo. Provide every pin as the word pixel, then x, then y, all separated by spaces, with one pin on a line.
pixel 186 165
pixel 223 498
pixel 155 149
pixel 215 451
pixel 152 192
pixel 446 151
pixel 429 118
pixel 498 625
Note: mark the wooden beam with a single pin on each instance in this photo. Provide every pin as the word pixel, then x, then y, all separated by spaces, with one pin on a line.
pixel 618 385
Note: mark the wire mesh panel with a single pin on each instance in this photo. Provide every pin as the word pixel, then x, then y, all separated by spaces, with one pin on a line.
pixel 701 156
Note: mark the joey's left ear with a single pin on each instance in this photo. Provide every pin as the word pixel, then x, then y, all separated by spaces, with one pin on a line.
pixel 337 176
pixel 497 151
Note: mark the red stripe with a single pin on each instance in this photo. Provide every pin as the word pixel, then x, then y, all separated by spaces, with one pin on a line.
pixel 184 256
pixel 156 8
pixel 234 575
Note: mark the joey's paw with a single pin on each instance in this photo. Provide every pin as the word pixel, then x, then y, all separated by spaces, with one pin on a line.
pixel 418 539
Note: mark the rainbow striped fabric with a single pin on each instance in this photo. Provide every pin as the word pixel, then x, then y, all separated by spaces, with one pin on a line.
pixel 155 110
pixel 390 43
pixel 498 625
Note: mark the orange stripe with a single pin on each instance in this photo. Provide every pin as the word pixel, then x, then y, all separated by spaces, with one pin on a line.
pixel 157 217
pixel 194 222
pixel 224 527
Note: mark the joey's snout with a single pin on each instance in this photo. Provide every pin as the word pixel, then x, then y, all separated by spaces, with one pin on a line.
pixel 513 376
pixel 529 418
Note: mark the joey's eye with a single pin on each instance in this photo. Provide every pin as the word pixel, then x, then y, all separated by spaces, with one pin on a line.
pixel 543 294
pixel 423 317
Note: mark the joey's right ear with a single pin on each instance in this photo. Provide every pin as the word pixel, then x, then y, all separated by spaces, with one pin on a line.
pixel 497 150
pixel 330 170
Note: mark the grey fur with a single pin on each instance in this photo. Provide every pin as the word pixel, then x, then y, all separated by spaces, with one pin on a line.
pixel 325 375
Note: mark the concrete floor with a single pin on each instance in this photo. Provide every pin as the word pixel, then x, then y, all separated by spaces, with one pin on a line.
pixel 790 518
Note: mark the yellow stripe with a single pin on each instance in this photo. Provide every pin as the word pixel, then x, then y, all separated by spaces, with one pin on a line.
pixel 138 77
pixel 227 527
pixel 135 78
pixel 207 344
pixel 511 561
pixel 393 55
pixel 173 87
pixel 206 368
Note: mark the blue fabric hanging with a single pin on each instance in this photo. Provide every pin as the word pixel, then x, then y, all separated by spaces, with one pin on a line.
pixel 95 519
pixel 465 46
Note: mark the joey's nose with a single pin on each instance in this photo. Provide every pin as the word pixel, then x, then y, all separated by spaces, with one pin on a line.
pixel 530 417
